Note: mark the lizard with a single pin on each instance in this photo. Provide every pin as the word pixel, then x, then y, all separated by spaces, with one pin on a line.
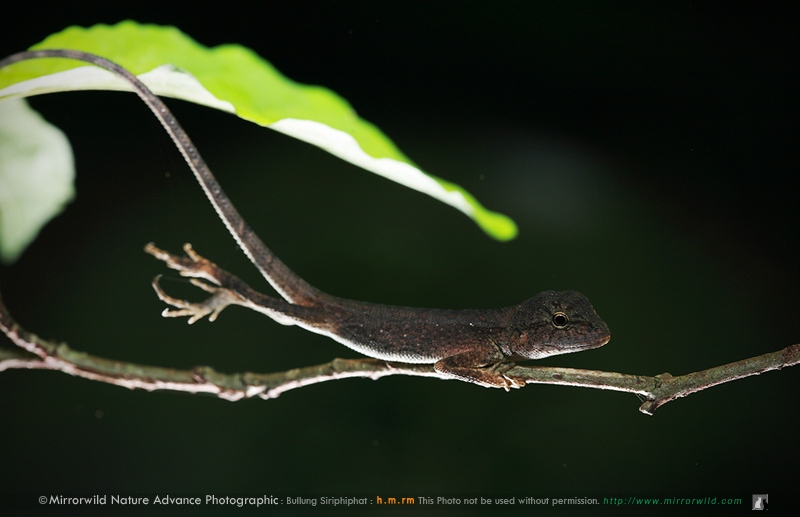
pixel 472 345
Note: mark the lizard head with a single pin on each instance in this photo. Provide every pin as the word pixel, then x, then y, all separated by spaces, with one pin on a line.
pixel 553 323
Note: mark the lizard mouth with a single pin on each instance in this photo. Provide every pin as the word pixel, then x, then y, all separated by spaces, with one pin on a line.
pixel 589 340
pixel 581 341
pixel 603 337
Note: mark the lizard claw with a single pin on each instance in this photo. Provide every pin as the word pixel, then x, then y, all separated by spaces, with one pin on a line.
pixel 500 371
pixel 512 383
pixel 193 265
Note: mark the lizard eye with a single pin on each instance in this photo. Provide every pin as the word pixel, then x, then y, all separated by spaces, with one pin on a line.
pixel 560 320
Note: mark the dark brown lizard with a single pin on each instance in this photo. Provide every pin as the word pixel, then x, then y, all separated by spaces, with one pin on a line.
pixel 469 344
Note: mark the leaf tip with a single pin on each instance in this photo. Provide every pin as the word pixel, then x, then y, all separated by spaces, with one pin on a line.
pixel 496 225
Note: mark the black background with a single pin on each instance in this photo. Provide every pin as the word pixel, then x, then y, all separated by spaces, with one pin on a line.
pixel 648 153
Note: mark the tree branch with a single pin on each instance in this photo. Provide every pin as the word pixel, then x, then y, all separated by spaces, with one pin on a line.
pixel 37 353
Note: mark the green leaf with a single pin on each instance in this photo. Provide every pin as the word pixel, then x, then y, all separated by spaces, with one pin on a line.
pixel 37 171
pixel 235 79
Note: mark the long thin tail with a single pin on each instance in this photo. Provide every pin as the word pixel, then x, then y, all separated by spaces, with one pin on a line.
pixel 284 280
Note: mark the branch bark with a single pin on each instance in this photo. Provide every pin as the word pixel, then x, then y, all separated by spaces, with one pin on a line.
pixel 37 353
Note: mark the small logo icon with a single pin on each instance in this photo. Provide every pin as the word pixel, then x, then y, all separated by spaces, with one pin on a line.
pixel 760 501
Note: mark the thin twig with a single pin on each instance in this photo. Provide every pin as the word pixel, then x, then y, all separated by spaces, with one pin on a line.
pixel 37 353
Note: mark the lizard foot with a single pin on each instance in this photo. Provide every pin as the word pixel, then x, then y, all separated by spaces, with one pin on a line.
pixel 491 376
pixel 203 273
pixel 211 307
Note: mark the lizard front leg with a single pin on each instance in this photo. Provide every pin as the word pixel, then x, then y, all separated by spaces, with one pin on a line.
pixel 485 366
